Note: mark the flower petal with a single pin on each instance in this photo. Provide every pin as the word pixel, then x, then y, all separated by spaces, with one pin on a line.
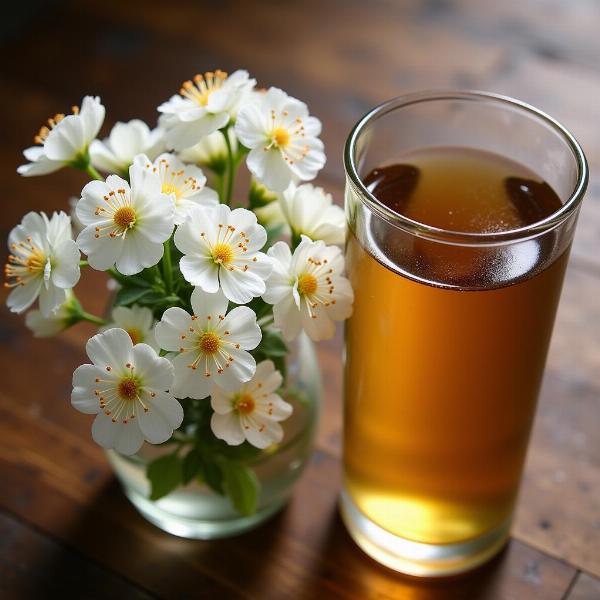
pixel 207 304
pixel 188 382
pixel 200 271
pixel 240 370
pixel 138 253
pixel 220 401
pixel 264 433
pixel 242 327
pixel 110 349
pixel 23 296
pixel 65 272
pixel 174 323
pixel 102 252
pixel 129 438
pixel 155 372
pixel 163 415
pixel 228 428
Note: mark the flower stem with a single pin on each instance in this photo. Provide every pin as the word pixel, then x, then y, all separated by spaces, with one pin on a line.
pixel 168 267
pixel 89 169
pixel 116 275
pixel 83 263
pixel 296 239
pixel 85 316
pixel 231 168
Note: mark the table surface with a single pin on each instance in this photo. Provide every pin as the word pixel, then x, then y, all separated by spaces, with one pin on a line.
pixel 63 520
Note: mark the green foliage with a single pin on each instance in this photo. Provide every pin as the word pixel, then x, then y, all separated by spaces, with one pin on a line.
pixel 127 296
pixel 241 486
pixel 206 459
pixel 272 344
pixel 165 474
pixel 191 465
pixel 272 347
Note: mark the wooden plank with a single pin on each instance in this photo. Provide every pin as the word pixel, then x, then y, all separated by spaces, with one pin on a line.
pixel 302 553
pixel 585 588
pixel 551 29
pixel 35 566
pixel 340 72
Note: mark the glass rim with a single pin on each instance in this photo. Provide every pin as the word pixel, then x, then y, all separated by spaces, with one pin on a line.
pixel 447 235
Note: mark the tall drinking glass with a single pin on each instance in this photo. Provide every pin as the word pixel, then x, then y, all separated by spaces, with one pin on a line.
pixel 447 344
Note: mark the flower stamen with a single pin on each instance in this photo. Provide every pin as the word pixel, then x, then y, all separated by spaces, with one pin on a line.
pixel 244 403
pixel 202 86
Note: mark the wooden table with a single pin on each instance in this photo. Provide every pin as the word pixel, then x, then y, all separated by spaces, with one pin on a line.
pixel 64 524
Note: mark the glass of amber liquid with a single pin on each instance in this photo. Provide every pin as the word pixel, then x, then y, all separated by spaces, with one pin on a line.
pixel 461 210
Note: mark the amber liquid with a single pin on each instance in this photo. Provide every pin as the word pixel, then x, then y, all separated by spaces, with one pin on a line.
pixel 441 383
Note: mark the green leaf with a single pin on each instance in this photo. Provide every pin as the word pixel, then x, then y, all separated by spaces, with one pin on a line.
pixel 272 344
pixel 212 476
pixel 191 466
pixel 130 295
pixel 260 307
pixel 241 486
pixel 243 452
pixel 164 474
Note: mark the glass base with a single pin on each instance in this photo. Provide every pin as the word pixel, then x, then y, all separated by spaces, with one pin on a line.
pixel 196 528
pixel 416 558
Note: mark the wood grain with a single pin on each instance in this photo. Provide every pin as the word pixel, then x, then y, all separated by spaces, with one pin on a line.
pixel 585 588
pixel 62 510
pixel 33 566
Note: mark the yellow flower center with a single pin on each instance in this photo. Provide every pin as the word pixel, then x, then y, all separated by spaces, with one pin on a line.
pixel 200 89
pixel 135 335
pixel 209 342
pixel 245 404
pixel 124 217
pixel 307 284
pixel 281 136
pixel 52 122
pixel 25 261
pixel 222 253
pixel 128 389
pixel 171 188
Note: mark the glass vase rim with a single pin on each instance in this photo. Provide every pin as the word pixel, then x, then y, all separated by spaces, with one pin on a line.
pixel 569 207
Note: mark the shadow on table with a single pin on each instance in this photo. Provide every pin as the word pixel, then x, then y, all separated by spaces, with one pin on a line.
pixel 363 575
pixel 283 558
pixel 112 534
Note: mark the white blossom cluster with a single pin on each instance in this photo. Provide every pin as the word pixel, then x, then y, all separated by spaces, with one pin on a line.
pixel 154 202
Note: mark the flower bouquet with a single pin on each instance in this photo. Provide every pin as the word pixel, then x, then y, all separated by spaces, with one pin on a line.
pixel 208 294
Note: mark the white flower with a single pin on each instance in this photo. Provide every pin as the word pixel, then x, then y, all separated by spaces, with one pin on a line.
pixel 137 321
pixel 221 247
pixel 310 211
pixel 43 261
pixel 125 225
pixel 212 344
pixel 253 411
pixel 282 138
pixel 204 105
pixel 308 290
pixel 64 316
pixel 76 225
pixel 65 140
pixel 210 151
pixel 126 388
pixel 115 154
pixel 185 184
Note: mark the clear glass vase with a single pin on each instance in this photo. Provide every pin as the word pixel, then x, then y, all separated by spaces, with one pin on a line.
pixel 194 510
